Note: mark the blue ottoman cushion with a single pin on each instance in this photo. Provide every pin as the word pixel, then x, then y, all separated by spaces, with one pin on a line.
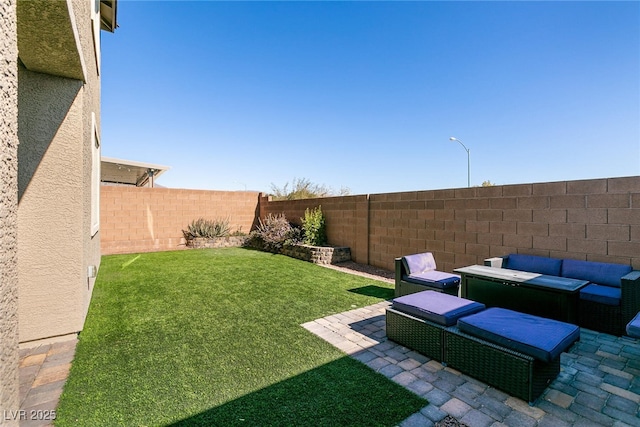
pixel 534 264
pixel 535 336
pixel 601 294
pixel 437 307
pixel 633 327
pixel 435 279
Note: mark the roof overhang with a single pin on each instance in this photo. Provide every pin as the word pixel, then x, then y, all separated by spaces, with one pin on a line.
pixel 48 40
pixel 127 172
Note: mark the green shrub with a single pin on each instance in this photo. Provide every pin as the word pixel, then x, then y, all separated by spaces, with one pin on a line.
pixel 207 228
pixel 313 224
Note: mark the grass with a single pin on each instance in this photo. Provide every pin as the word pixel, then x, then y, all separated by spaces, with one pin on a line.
pixel 213 337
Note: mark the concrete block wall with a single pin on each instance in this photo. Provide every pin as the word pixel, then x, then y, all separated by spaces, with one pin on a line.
pixel 134 219
pixel 347 219
pixel 597 220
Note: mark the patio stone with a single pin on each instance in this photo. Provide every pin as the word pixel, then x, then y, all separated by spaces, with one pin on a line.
pixel 404 378
pixel 438 397
pixel 420 387
pixel 493 407
pixel 592 415
pixel 559 398
pixel 598 383
pixel 433 412
pixel 390 371
pixel 621 392
pixel 475 418
pixel 417 420
pixel 456 408
pixel 625 405
pixel 590 401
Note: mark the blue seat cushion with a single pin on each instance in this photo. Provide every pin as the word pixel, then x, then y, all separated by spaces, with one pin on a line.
pixel 633 327
pixel 418 263
pixel 435 279
pixel 443 309
pixel 541 338
pixel 601 294
pixel 600 273
pixel 534 264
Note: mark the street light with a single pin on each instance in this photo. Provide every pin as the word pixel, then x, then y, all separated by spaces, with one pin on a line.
pixel 452 138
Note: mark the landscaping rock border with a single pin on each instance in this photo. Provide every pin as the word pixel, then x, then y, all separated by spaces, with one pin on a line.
pixel 216 242
pixel 318 254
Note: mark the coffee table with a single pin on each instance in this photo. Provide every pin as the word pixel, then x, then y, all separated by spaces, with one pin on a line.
pixel 546 296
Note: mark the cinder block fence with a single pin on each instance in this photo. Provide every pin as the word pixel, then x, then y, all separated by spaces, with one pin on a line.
pixel 134 219
pixel 597 220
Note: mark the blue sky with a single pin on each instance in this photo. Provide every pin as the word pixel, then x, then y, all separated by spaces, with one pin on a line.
pixel 365 95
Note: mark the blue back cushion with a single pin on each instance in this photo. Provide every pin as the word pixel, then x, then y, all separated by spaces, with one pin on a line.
pixel 596 272
pixel 534 264
pixel 418 263
pixel 536 336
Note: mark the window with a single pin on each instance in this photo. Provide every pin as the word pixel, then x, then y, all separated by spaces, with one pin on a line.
pixel 95 177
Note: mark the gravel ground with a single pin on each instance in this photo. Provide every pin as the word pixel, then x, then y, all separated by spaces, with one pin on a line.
pixel 364 270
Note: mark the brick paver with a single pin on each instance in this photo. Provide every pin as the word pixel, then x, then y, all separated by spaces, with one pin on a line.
pixel 43 371
pixel 599 382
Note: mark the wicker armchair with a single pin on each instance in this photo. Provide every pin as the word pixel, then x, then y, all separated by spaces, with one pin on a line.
pixel 612 319
pixel 416 273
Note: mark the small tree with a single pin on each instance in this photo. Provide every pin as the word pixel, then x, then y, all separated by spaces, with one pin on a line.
pixel 302 188
pixel 313 224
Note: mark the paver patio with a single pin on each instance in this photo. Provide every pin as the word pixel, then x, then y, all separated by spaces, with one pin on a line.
pixel 599 382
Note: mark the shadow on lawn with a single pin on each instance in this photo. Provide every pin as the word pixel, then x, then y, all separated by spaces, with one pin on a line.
pixel 340 393
pixel 373 291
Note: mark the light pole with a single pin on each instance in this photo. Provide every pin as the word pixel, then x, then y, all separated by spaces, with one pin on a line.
pixel 452 138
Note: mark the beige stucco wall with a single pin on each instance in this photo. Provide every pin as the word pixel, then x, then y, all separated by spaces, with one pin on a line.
pixel 9 394
pixel 54 213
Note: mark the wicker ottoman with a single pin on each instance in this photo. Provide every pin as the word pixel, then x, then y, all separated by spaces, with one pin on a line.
pixel 417 321
pixel 515 352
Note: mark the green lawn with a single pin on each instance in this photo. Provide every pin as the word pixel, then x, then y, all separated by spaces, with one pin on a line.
pixel 213 337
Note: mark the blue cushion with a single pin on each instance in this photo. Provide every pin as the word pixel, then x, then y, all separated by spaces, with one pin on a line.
pixel 535 336
pixel 596 272
pixel 435 279
pixel 633 327
pixel 534 264
pixel 443 309
pixel 601 294
pixel 418 263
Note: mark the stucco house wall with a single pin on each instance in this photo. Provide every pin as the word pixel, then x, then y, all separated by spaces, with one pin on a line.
pixel 9 384
pixel 58 114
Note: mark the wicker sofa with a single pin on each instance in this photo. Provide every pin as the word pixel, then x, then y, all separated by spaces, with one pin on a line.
pixel 607 303
pixel 417 272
